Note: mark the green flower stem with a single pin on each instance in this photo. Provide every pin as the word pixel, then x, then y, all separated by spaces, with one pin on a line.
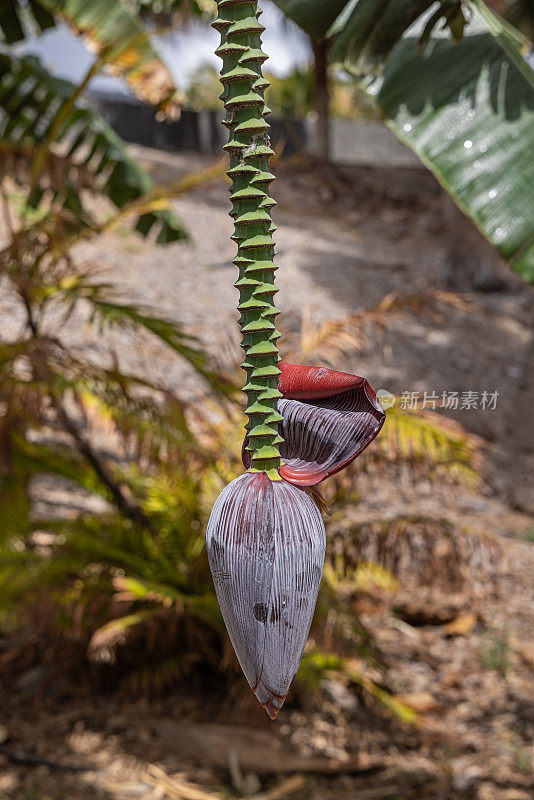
pixel 250 151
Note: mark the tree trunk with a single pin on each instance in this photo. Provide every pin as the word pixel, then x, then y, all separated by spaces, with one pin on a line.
pixel 320 54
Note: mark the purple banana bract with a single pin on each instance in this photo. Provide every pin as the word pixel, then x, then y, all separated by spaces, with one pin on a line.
pixel 330 417
pixel 266 545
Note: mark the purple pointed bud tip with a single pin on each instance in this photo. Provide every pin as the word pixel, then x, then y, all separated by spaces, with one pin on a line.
pixel 266 546
pixel 269 701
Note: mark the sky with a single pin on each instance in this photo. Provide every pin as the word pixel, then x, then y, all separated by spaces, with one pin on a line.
pixel 184 51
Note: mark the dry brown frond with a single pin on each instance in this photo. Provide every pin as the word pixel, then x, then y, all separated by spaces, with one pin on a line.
pixel 421 550
pixel 440 445
pixel 331 340
pixel 16 160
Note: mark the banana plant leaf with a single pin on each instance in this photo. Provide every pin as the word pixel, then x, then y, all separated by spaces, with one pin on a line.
pixel 17 18
pixel 86 152
pixel 112 29
pixel 465 107
pixel 171 9
pixel 314 16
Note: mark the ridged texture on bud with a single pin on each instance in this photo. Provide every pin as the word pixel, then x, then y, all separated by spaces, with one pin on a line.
pixel 266 545
pixel 330 417
pixel 249 149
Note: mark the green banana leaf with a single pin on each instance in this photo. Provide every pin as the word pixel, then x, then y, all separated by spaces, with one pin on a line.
pixel 172 9
pixel 86 152
pixel 112 29
pixel 465 107
pixel 313 16
pixel 17 18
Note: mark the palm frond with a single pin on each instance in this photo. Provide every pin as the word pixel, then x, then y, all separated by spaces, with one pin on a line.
pixel 18 20
pixel 173 12
pixel 420 550
pixel 155 201
pixel 327 341
pixel 152 602
pixel 442 446
pixel 85 153
pixel 332 340
pixel 104 640
pixel 318 665
pixel 109 312
pixel 113 30
pixel 144 426
pixel 346 579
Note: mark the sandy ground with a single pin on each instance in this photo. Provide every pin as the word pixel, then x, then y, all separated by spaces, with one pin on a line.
pixel 346 240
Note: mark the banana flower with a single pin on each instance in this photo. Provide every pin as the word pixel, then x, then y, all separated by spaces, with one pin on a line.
pixel 266 540
pixel 265 537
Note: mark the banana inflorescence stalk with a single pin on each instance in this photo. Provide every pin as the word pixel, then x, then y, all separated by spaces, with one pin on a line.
pixel 250 150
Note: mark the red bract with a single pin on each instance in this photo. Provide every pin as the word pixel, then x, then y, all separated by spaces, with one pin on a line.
pixel 266 546
pixel 330 417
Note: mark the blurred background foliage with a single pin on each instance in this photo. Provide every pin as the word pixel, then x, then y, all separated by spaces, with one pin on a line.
pixel 122 585
pixel 292 95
